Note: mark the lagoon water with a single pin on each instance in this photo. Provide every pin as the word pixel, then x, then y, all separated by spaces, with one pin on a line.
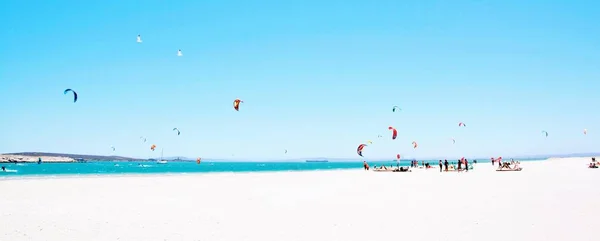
pixel 116 167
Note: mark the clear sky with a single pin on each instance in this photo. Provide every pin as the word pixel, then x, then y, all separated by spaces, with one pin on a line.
pixel 317 77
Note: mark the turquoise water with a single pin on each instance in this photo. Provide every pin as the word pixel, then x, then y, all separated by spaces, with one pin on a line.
pixel 109 167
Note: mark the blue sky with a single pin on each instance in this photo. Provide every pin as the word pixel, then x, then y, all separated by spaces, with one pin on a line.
pixel 317 77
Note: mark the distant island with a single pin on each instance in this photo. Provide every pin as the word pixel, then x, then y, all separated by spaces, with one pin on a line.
pixel 316 161
pixel 59 157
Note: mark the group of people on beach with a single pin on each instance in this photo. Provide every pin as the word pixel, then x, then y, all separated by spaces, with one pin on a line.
pixel 507 166
pixel 594 163
pixel 461 165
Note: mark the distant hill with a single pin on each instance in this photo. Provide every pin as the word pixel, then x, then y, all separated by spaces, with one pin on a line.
pixel 77 156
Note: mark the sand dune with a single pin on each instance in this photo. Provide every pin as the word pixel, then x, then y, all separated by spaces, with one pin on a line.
pixel 552 200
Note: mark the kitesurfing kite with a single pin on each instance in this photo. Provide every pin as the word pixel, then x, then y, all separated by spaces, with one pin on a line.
pixel 360 149
pixel 415 145
pixel 236 104
pixel 453 141
pixel 178 132
pixel 74 94
pixel 545 133
pixel 113 148
pixel 139 38
pixel 398 157
pixel 395 108
pixel 462 124
pixel 379 136
pixel 152 147
pixel 285 151
pixel 370 142
pixel 179 53
pixel 394 132
pixel 143 138
pixel 585 131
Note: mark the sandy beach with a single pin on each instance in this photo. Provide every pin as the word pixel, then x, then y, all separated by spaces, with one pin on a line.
pixel 551 200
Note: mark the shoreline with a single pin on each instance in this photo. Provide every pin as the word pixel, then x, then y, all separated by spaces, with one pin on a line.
pixel 167 172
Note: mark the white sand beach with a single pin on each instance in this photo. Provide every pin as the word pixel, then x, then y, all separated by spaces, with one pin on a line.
pixel 557 199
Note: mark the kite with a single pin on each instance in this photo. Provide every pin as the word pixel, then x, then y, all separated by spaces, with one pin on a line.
pixel 74 94
pixel 360 149
pixel 236 104
pixel 394 132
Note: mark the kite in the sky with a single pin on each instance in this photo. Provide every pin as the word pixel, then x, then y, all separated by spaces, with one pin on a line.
pixel 179 53
pixel 360 148
pixel 139 38
pixel 236 104
pixel 74 94
pixel 394 132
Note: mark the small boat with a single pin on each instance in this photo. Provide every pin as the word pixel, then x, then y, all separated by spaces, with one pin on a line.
pixel 161 160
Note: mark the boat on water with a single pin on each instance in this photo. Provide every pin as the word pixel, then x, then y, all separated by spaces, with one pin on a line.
pixel 161 160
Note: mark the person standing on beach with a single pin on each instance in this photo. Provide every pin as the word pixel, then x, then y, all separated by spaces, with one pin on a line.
pixel 466 165
pixel 365 165
pixel 445 165
pixel 459 165
pixel 440 165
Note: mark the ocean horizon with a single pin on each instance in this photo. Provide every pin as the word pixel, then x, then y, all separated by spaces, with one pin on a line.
pixel 183 167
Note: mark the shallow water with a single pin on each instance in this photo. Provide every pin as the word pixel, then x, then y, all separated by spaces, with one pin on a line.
pixel 120 167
